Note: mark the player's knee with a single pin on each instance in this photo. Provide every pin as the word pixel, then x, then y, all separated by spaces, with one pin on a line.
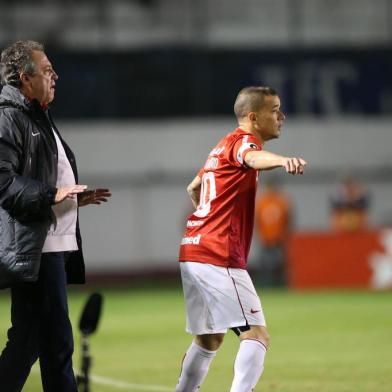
pixel 210 341
pixel 264 337
pixel 257 332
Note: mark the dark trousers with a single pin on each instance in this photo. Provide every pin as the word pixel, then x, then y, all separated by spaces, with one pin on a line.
pixel 40 330
pixel 272 267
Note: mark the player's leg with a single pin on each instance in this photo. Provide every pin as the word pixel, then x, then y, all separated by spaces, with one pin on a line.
pixel 203 321
pixel 254 339
pixel 249 363
pixel 210 342
pixel 197 361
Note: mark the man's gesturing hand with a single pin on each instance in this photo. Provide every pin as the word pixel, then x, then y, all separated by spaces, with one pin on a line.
pixel 294 165
pixel 94 196
pixel 68 192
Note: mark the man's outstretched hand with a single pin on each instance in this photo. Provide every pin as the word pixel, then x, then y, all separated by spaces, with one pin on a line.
pixel 68 192
pixel 93 196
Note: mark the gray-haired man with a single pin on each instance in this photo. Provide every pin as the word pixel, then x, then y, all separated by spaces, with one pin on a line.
pixel 40 244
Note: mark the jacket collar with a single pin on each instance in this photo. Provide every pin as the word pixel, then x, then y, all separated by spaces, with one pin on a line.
pixel 14 95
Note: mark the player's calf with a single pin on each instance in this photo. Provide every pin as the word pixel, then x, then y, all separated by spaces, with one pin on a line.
pixel 197 360
pixel 249 363
pixel 195 365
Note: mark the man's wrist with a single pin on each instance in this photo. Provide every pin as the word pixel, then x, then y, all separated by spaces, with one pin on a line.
pixel 52 195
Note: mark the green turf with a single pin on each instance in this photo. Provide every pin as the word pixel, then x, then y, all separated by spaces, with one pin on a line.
pixel 320 342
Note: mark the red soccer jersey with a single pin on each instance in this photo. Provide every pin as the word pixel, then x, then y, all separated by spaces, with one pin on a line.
pixel 220 231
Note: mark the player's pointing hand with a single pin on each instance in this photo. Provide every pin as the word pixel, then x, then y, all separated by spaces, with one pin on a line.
pixel 294 165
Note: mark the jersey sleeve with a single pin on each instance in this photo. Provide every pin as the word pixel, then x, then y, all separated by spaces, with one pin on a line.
pixel 244 144
pixel 201 172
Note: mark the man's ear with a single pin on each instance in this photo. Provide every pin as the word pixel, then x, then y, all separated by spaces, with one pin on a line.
pixel 24 77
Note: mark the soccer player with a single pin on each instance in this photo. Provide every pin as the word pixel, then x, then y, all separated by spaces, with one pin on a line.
pixel 218 291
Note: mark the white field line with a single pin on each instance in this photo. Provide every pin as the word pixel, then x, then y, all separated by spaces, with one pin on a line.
pixel 128 385
pixel 121 384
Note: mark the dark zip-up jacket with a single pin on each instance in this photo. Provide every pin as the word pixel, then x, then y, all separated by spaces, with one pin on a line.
pixel 28 176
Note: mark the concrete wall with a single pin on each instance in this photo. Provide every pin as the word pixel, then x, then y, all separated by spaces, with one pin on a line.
pixel 147 165
pixel 127 24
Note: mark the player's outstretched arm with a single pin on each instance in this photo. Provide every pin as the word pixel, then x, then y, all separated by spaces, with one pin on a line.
pixel 264 160
pixel 193 190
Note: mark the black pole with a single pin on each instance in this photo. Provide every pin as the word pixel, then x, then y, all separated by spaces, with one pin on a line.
pixel 87 325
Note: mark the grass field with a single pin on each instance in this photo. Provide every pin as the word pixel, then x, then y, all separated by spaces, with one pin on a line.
pixel 321 342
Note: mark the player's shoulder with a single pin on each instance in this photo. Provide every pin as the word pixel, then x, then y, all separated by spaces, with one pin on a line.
pixel 240 134
pixel 231 138
pixel 236 134
pixel 224 143
pixel 243 140
pixel 231 142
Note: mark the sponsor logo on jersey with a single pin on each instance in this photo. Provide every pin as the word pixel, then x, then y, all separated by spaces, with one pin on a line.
pixel 217 151
pixel 193 223
pixel 212 163
pixel 191 240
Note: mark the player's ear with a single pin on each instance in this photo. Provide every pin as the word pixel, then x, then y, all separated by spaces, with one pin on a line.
pixel 252 116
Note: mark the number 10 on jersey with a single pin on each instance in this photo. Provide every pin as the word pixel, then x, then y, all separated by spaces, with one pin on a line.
pixel 207 194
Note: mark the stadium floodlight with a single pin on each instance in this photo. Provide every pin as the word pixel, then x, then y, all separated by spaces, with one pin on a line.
pixel 87 325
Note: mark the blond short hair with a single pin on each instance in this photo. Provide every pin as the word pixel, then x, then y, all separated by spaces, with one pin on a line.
pixel 251 99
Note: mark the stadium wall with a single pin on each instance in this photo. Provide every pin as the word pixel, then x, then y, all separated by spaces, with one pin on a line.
pixel 147 165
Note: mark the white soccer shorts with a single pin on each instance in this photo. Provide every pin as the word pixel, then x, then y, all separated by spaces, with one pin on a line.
pixel 219 298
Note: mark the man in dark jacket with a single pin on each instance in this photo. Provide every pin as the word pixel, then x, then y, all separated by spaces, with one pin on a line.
pixel 40 244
